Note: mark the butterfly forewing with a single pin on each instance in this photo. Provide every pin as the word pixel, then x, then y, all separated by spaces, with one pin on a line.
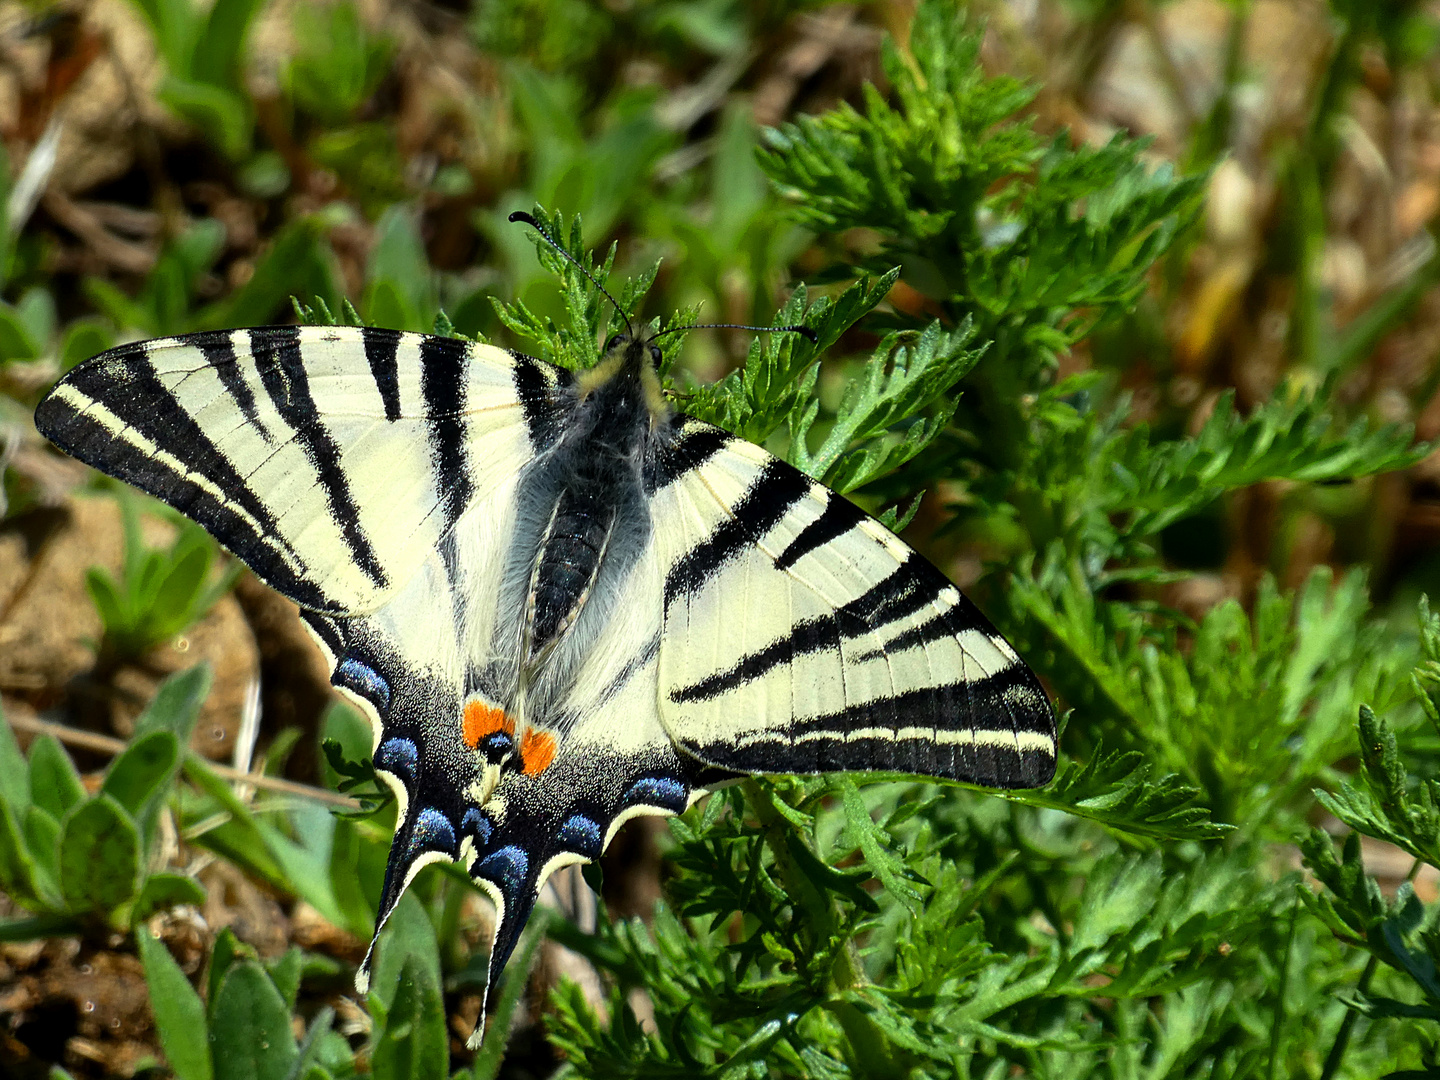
pixel 330 459
pixel 802 636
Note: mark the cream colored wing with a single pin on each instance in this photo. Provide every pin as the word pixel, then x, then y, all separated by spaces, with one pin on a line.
pixel 801 635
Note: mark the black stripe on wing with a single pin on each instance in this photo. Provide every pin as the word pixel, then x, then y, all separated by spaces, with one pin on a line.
pixel 912 586
pixel 218 348
pixel 905 590
pixel 124 383
pixel 765 502
pixel 839 517
pixel 382 349
pixel 442 384
pixel 542 390
pixel 281 364
pixel 809 636
pixel 998 732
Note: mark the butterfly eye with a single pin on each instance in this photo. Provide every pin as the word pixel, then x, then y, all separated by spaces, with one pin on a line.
pixel 655 353
pixel 615 339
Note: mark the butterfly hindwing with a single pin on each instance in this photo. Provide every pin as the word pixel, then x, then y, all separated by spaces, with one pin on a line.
pixel 801 635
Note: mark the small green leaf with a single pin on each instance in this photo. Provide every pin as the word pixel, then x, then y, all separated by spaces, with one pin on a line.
pixel 874 843
pixel 17 868
pixel 83 339
pixel 223 955
pixel 143 771
pixel 221 114
pixel 177 596
pixel 99 856
pixel 221 42
pixel 250 1033
pixel 15 340
pixel 42 837
pixel 162 891
pixel 285 972
pixel 408 938
pixel 176 705
pixel 179 1012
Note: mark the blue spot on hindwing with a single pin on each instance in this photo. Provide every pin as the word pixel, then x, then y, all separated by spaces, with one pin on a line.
pixel 497 745
pixel 432 832
pixel 398 756
pixel 476 823
pixel 580 835
pixel 663 791
pixel 364 680
pixel 507 868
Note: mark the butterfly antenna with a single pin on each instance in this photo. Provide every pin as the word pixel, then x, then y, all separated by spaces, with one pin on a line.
pixel 529 219
pixel 809 334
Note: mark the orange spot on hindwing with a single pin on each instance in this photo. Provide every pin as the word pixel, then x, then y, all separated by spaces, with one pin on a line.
pixel 481 719
pixel 537 751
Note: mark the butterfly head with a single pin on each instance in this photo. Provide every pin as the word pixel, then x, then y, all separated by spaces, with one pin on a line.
pixel 629 364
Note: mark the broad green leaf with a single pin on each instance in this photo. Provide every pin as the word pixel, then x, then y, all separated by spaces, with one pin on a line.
pixel 250 1033
pixel 221 42
pixel 176 24
pixel 224 116
pixel 179 1012
pixel 15 340
pixel 83 339
pixel 414 1044
pixel 17 868
pixel 285 973
pixel 177 597
pixel 142 771
pixel 42 837
pixel 320 1045
pixel 408 938
pixel 99 856
pixel 54 783
pixel 226 951
pixel 14 774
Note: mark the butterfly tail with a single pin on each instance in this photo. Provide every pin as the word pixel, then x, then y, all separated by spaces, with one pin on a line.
pixel 512 881
pixel 425 835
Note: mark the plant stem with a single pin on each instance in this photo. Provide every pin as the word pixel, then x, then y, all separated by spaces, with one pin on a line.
pixel 1284 982
pixel 1342 1037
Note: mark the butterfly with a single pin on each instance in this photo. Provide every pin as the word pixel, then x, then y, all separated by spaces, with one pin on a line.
pixel 561 602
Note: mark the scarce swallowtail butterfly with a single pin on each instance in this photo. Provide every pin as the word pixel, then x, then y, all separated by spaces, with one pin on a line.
pixel 560 602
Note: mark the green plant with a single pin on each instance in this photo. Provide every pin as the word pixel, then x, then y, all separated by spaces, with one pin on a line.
pixel 245 1027
pixel 1391 805
pixel 83 861
pixel 159 592
pixel 203 49
pixel 337 63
